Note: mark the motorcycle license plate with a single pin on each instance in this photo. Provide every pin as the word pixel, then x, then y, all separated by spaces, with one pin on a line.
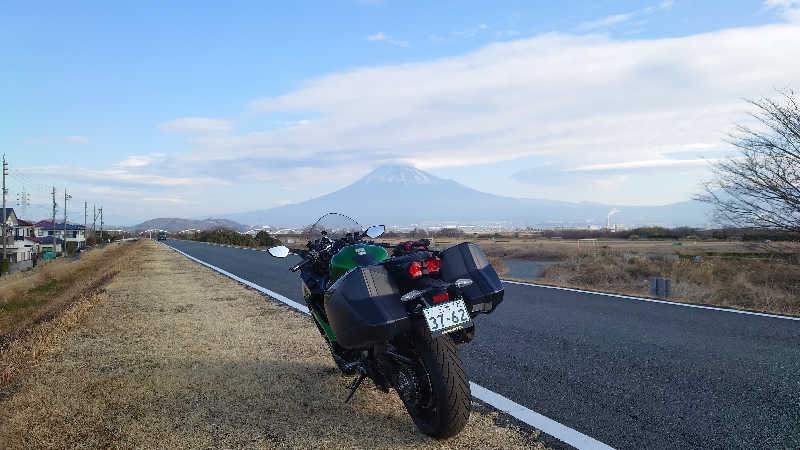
pixel 447 317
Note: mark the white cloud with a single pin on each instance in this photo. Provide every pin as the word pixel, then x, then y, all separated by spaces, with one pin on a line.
pixel 121 176
pixel 135 161
pixel 605 21
pixel 196 125
pixel 620 18
pixel 648 164
pixel 584 99
pixel 790 9
pixel 503 34
pixel 77 139
pixel 381 36
pixel 173 200
pixel 471 32
pixel 575 101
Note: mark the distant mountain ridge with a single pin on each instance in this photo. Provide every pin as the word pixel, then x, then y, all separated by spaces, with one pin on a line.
pixel 404 195
pixel 174 224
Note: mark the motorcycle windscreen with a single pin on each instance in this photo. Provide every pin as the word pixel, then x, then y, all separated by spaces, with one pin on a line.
pixel 364 308
pixel 467 260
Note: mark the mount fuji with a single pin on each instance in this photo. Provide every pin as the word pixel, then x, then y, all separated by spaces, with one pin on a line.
pixel 403 195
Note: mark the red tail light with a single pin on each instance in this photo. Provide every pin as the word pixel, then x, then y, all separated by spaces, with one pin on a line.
pixel 443 297
pixel 433 264
pixel 415 269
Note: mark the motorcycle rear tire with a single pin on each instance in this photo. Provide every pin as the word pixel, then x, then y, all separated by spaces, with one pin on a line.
pixel 448 408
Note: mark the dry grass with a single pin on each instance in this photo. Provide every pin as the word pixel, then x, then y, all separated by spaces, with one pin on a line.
pixel 42 340
pixel 181 357
pixel 763 285
pixel 753 276
pixel 44 293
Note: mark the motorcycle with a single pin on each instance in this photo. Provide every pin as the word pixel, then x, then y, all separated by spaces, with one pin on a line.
pixel 397 317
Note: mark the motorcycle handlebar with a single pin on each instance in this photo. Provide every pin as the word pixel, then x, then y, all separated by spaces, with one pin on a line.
pixel 299 266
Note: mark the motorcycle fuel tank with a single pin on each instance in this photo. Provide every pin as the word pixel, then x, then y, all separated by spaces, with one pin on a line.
pixel 358 255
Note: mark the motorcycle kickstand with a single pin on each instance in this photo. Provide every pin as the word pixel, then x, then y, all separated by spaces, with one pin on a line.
pixel 355 386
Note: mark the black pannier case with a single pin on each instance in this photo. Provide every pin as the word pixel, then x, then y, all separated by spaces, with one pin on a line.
pixel 364 308
pixel 467 260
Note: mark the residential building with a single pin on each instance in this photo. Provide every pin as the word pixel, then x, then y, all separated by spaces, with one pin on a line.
pixel 19 246
pixel 11 217
pixel 45 244
pixel 74 233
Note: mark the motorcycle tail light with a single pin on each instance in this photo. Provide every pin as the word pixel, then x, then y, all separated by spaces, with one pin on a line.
pixel 415 269
pixel 439 298
pixel 433 264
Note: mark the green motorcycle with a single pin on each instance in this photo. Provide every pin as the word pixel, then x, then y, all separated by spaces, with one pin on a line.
pixel 396 313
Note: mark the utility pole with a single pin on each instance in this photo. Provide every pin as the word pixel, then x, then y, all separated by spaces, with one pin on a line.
pixel 54 220
pixel 5 191
pixel 85 221
pixel 101 224
pixel 66 197
pixel 94 222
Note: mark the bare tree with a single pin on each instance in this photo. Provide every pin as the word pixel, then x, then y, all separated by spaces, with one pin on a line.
pixel 760 187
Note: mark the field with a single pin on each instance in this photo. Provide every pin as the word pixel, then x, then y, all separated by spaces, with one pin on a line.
pixel 168 354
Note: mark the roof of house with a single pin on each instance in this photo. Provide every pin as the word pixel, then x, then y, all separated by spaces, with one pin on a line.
pixel 24 223
pixel 8 211
pixel 45 240
pixel 46 224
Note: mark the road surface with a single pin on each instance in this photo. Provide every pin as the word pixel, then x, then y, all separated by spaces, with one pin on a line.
pixel 629 373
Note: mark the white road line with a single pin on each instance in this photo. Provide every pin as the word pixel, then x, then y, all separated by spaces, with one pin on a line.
pixel 547 425
pixel 521 413
pixel 653 300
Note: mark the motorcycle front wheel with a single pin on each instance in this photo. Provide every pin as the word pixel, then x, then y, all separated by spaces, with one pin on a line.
pixel 434 386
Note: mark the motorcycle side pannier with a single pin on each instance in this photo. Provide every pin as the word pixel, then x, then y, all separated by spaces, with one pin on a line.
pixel 364 308
pixel 467 260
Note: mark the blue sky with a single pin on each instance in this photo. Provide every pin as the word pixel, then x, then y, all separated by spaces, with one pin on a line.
pixel 195 109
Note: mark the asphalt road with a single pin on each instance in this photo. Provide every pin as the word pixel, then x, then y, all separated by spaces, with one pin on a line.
pixel 628 373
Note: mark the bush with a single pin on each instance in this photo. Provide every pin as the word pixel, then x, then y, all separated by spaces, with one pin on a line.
pixel 418 233
pixel 265 239
pixel 450 232
pixel 231 237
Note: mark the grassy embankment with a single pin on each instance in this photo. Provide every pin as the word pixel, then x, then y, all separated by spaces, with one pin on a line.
pixel 178 356
pixel 27 298
pixel 731 274
pixel 37 307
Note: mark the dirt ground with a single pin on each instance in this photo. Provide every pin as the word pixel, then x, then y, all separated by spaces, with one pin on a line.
pixel 176 356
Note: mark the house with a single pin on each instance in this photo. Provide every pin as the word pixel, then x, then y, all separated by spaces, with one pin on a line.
pixel 24 229
pixel 74 233
pixel 45 244
pixel 11 217
pixel 19 246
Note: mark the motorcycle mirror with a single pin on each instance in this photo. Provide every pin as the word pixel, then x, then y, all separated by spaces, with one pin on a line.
pixel 375 231
pixel 280 251
pixel 461 283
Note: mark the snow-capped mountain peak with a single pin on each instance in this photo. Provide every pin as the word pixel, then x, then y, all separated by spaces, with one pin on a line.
pixel 398 174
